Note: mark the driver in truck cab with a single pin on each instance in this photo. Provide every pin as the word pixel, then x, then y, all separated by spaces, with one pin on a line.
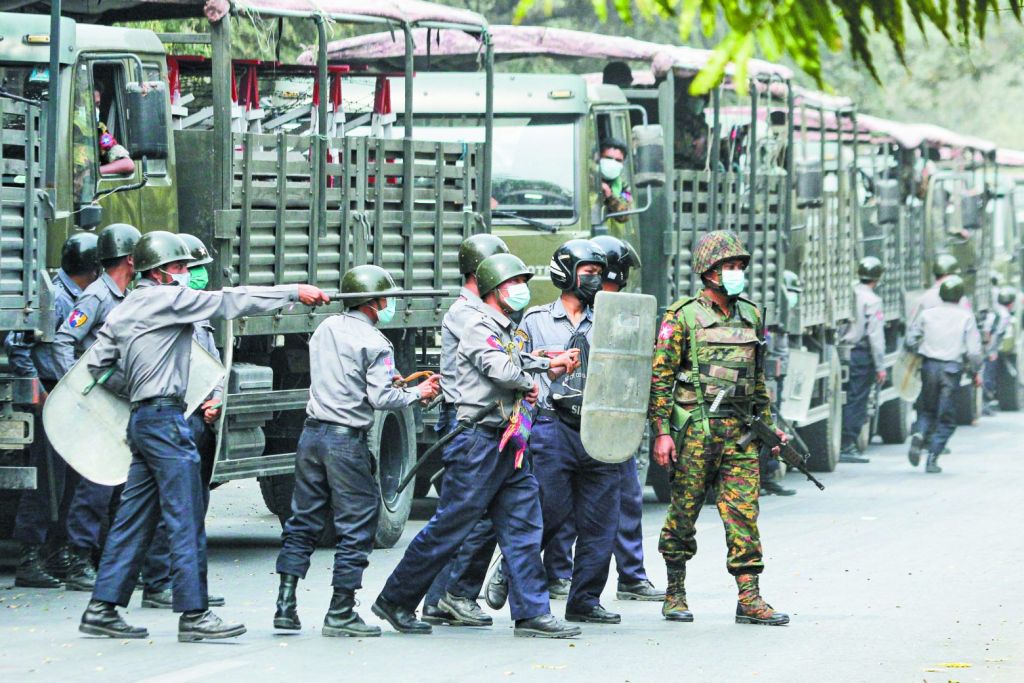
pixel 615 194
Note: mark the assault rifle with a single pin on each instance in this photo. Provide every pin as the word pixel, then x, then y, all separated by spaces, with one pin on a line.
pixel 757 429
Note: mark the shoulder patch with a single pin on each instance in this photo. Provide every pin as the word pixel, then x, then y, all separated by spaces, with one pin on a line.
pixel 666 331
pixel 77 318
pixel 495 343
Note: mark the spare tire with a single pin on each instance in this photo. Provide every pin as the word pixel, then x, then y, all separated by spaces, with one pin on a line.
pixel 393 444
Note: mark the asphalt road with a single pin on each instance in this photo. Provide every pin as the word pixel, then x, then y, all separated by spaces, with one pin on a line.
pixel 889 575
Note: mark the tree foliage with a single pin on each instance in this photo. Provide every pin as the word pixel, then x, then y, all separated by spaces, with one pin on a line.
pixel 799 29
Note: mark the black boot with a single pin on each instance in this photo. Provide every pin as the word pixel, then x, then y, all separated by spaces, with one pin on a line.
pixel 400 618
pixel 287 615
pixel 31 573
pixel 545 626
pixel 101 619
pixel 932 466
pixel 342 620
pixel 59 561
pixel 205 625
pixel 81 575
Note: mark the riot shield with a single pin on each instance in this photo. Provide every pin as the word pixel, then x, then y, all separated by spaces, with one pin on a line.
pixel 618 385
pixel 906 375
pixel 89 430
pixel 799 386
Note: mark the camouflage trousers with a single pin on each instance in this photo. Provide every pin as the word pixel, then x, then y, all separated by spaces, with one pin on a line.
pixel 737 472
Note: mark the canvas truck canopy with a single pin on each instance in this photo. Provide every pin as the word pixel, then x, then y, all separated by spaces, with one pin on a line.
pixel 1010 157
pixel 452 50
pixel 393 12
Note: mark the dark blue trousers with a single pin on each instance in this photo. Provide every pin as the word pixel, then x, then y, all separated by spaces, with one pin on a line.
pixel 990 377
pixel 334 479
pixel 629 546
pixel 34 518
pixel 575 486
pixel 156 570
pixel 479 481
pixel 936 404
pixel 465 574
pixel 88 514
pixel 858 389
pixel 164 483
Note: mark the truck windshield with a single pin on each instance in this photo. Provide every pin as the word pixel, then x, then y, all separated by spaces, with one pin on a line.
pixel 534 166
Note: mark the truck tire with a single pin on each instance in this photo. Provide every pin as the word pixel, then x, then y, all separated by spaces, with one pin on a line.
pixel 277 495
pixel 967 398
pixel 894 421
pixel 824 438
pixel 393 444
pixel 1009 390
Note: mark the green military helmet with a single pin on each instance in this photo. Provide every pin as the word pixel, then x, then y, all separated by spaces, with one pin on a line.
pixel 158 248
pixel 475 248
pixel 499 268
pixel 117 240
pixel 367 279
pixel 200 254
pixel 715 247
pixel 78 255
pixel 945 264
pixel 870 269
pixel 791 281
pixel 952 289
pixel 1007 296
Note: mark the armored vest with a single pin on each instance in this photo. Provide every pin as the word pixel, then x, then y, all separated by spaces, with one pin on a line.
pixel 722 354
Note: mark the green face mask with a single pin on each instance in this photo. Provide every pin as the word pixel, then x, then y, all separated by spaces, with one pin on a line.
pixel 198 277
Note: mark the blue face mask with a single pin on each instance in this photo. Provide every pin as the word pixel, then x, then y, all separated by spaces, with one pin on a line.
pixel 734 281
pixel 517 296
pixel 387 314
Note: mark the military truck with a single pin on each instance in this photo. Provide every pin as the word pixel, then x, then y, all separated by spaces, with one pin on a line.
pixel 1007 208
pixel 276 206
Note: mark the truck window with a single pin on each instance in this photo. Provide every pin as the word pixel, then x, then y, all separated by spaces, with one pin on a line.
pixel 108 82
pixel 83 137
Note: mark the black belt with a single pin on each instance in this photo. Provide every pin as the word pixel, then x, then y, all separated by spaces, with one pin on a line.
pixel 337 427
pixel 483 429
pixel 547 412
pixel 159 402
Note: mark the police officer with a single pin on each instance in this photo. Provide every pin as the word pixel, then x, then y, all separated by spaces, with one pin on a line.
pixel 156 571
pixel 148 339
pixel 946 336
pixel 707 352
pixel 89 510
pixel 633 583
pixel 481 478
pixel 352 374
pixel 997 322
pixel 452 596
pixel 79 268
pixel 866 338
pixel 946 265
pixel 776 367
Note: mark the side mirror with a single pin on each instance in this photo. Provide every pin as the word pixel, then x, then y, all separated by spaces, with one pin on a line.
pixel 90 216
pixel 649 159
pixel 971 209
pixel 810 184
pixel 147 120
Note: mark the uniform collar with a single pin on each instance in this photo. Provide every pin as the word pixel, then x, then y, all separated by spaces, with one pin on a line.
pixel 500 318
pixel 68 283
pixel 114 289
pixel 558 310
pixel 711 308
pixel 359 315
pixel 469 296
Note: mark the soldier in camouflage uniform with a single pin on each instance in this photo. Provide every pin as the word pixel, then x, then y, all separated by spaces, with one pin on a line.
pixel 707 372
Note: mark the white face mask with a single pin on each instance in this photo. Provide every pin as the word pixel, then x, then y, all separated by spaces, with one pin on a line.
pixel 611 169
pixel 734 281
pixel 181 279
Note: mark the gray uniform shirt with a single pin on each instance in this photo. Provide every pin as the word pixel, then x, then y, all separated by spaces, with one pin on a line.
pixel 467 306
pixel 490 366
pixel 997 323
pixel 351 367
pixel 548 328
pixel 39 359
pixel 149 336
pixel 203 334
pixel 81 327
pixel 867 324
pixel 947 333
pixel 931 299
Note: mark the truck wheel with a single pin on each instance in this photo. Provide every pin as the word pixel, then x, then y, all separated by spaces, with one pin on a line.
pixel 277 495
pixel 894 421
pixel 393 443
pixel 825 437
pixel 657 477
pixel 967 410
pixel 1009 389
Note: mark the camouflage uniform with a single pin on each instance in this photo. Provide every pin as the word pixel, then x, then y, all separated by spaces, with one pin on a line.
pixel 726 352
